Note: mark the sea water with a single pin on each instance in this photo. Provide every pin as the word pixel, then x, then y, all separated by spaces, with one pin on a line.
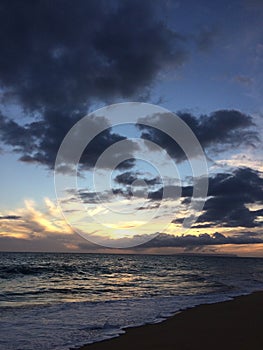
pixel 62 301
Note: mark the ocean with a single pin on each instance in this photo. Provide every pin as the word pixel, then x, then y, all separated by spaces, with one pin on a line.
pixel 60 301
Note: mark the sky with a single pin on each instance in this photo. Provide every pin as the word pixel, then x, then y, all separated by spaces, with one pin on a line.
pixel 61 61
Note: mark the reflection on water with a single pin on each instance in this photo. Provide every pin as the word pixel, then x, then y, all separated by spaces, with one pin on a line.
pixel 47 278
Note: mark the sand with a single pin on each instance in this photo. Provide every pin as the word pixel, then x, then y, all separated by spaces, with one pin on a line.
pixel 235 325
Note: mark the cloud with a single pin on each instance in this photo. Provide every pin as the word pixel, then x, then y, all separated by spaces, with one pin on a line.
pixel 171 192
pixel 154 194
pixel 39 142
pixel 61 54
pixel 167 240
pixel 220 131
pixel 201 242
pixel 134 183
pixel 129 177
pixel 10 217
pixel 245 160
pixel 57 59
pixel 234 199
pixel 32 228
pixel 230 197
pixel 31 223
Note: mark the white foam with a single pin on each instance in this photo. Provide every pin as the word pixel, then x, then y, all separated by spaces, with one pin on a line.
pixel 68 325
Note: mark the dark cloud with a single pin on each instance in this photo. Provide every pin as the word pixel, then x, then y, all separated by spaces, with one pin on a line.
pixel 10 217
pixel 87 197
pixel 243 182
pixel 129 177
pixel 154 192
pixel 38 142
pixel 103 141
pixel 189 242
pixel 228 201
pixel 171 192
pixel 219 131
pixel 62 54
pixel 18 136
pixel 125 192
pixel 230 196
pixel 134 183
pixel 166 240
pixel 57 57
pixel 150 206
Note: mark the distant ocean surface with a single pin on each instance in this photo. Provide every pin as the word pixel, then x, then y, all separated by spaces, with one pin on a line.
pixel 62 301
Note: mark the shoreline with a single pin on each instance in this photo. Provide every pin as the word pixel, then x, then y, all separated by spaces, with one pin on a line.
pixel 234 324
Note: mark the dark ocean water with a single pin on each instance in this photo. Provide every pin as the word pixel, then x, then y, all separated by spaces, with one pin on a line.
pixel 57 301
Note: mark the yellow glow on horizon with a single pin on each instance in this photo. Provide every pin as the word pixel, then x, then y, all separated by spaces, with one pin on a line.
pixel 125 224
pixel 47 223
pixel 19 235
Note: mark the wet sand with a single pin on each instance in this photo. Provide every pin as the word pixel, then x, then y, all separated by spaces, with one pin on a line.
pixel 233 325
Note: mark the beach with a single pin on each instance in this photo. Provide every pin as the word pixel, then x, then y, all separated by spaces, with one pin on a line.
pixel 235 324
